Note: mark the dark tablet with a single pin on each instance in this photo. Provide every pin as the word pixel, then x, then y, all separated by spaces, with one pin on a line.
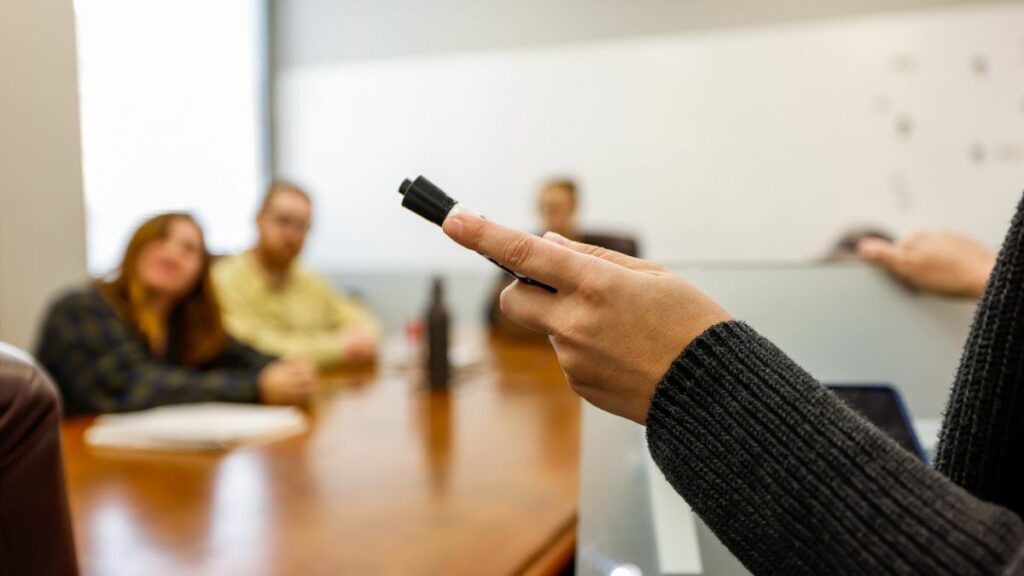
pixel 882 405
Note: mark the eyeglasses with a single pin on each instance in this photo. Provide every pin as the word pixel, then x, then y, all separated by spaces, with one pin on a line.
pixel 286 221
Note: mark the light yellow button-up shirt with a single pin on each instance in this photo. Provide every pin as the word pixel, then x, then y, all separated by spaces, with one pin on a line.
pixel 302 317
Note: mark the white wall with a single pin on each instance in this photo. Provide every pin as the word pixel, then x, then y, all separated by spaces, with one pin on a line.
pixel 758 143
pixel 328 31
pixel 42 237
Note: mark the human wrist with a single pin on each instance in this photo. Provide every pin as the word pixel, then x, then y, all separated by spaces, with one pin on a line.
pixel 668 377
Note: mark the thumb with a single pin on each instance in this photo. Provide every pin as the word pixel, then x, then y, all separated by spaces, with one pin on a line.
pixel 602 253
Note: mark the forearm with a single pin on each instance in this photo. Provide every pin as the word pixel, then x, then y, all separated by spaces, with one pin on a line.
pixel 352 313
pixel 239 355
pixel 982 443
pixel 122 382
pixel 793 481
pixel 322 347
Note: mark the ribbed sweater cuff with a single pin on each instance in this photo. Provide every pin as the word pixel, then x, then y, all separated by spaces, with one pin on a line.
pixel 793 481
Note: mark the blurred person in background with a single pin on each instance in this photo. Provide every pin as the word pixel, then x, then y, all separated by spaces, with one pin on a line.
pixel 276 305
pixel 935 261
pixel 557 208
pixel 154 334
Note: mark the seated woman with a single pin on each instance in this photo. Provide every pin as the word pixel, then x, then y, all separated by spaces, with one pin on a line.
pixel 154 334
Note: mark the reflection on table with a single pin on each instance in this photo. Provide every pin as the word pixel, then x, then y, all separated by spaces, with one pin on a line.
pixel 391 479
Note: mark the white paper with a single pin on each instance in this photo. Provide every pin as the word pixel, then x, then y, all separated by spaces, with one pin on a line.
pixel 195 427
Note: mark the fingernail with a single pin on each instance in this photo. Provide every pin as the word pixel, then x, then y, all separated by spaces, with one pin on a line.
pixel 556 238
pixel 453 227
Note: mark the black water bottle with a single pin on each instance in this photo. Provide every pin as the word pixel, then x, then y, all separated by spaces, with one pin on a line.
pixel 437 338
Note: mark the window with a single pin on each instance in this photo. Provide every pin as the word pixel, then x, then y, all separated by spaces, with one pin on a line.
pixel 172 109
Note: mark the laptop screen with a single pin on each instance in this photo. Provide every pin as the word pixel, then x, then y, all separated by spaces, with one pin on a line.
pixel 882 406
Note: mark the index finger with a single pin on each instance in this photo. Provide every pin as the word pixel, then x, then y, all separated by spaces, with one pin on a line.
pixel 524 253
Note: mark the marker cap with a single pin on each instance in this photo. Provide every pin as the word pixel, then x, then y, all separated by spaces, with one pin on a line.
pixel 425 199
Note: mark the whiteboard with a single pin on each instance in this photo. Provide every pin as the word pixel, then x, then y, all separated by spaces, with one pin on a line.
pixel 748 144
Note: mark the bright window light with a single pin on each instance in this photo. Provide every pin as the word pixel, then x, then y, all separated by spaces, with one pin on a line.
pixel 172 117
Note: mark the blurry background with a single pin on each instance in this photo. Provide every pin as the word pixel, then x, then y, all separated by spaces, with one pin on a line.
pixel 715 132
pixel 712 139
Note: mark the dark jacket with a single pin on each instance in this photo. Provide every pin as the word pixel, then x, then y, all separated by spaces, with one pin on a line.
pixel 101 364
pixel 794 482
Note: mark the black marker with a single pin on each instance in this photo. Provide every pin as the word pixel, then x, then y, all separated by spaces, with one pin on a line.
pixel 430 202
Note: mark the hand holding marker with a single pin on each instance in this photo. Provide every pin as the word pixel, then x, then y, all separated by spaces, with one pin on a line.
pixel 430 202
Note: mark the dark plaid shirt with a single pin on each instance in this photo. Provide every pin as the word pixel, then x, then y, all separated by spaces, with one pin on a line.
pixel 101 364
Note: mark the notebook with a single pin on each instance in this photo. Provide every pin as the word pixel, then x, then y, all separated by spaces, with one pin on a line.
pixel 883 406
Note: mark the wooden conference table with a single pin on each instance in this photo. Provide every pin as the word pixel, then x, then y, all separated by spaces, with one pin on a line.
pixel 390 479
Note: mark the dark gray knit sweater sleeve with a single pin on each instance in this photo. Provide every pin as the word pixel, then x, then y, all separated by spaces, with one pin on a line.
pixel 982 442
pixel 794 482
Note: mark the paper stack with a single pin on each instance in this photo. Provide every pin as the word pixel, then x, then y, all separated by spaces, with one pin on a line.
pixel 195 427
